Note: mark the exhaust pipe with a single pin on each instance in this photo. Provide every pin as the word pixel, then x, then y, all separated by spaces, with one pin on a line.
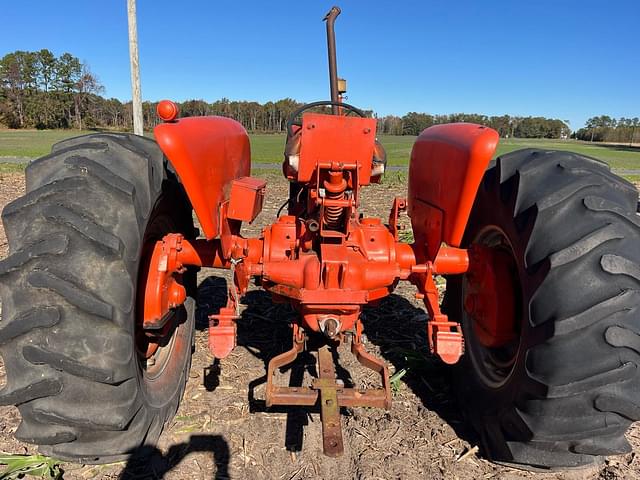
pixel 330 18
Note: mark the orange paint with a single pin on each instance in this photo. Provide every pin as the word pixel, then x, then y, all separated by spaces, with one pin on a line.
pixel 490 296
pixel 167 110
pixel 329 140
pixel 446 168
pixel 208 153
pixel 330 269
pixel 246 199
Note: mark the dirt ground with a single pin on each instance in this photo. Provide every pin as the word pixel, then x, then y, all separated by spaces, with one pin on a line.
pixel 223 429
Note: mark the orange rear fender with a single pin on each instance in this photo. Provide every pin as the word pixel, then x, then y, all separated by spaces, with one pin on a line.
pixel 208 153
pixel 447 165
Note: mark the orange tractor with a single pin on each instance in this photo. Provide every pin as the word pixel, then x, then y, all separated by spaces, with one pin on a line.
pixel 541 251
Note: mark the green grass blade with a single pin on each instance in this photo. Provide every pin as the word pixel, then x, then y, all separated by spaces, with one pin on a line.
pixel 17 466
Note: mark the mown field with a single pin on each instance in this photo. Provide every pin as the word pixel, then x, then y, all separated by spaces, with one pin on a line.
pixel 267 148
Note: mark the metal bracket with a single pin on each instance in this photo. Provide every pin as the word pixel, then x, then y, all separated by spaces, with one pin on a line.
pixel 326 389
pixel 284 395
pixel 399 205
pixel 445 337
pixel 222 329
pixel 327 385
pixel 376 364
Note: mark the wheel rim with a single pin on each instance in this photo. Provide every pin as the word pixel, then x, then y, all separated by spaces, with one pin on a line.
pixel 491 314
pixel 160 358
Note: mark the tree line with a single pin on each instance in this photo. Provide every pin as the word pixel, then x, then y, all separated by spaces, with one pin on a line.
pixel 606 129
pixel 40 90
pixel 507 126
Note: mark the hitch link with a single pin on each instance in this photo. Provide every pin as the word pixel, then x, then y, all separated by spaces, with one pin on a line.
pixel 332 444
pixel 326 389
pixel 445 337
pixel 223 330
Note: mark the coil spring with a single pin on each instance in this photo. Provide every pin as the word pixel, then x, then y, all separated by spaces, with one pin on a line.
pixel 332 215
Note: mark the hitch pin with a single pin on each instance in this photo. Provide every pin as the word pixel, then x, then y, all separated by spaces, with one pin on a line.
pixel 234 289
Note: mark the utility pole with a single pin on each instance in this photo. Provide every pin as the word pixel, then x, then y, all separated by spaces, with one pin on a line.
pixel 136 96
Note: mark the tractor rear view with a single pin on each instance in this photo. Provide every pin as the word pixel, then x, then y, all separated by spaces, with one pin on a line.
pixel 541 251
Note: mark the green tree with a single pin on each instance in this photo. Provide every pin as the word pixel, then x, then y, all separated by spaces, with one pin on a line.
pixel 414 123
pixel 16 78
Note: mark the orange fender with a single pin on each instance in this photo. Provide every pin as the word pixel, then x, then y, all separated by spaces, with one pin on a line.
pixel 447 165
pixel 208 153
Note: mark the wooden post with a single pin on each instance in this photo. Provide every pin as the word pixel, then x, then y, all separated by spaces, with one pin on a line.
pixel 136 96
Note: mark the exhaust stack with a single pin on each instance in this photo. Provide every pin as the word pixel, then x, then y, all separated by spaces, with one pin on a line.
pixel 330 18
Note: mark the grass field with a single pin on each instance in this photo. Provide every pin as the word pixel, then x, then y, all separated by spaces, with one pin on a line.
pixel 619 157
pixel 32 143
pixel 268 148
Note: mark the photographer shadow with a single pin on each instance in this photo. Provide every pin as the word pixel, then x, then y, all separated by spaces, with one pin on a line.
pixel 399 330
pixel 148 462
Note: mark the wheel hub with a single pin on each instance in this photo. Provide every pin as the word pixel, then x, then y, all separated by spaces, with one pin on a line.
pixel 159 289
pixel 490 295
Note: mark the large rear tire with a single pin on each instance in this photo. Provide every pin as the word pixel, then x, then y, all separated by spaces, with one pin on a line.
pixel 564 392
pixel 69 289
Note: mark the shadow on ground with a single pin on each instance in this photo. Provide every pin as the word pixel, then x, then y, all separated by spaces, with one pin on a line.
pixel 147 462
pixel 264 330
pixel 395 326
pixel 399 330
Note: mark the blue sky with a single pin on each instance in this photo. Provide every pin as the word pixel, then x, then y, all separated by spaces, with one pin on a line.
pixel 568 59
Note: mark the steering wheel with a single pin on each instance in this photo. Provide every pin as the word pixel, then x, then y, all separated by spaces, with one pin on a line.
pixel 292 118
